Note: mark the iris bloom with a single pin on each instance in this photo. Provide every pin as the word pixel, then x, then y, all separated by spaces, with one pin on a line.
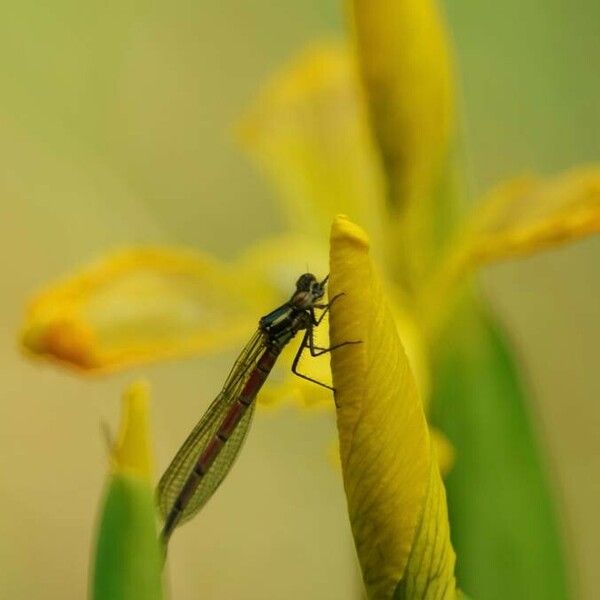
pixel 365 127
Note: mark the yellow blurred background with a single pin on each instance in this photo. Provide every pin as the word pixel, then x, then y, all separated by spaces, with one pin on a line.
pixel 116 128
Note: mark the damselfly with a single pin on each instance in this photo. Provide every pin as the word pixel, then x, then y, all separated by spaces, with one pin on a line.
pixel 210 450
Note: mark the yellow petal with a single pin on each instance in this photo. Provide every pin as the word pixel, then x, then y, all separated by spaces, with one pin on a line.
pixel 405 63
pixel 530 214
pixel 443 450
pixel 395 495
pixel 429 573
pixel 140 305
pixel 521 216
pixel 406 68
pixel 309 132
pixel 131 453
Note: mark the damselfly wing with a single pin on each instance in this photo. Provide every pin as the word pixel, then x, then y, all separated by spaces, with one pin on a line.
pixel 182 465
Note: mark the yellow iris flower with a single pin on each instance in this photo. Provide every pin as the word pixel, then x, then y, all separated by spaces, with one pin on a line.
pixel 365 128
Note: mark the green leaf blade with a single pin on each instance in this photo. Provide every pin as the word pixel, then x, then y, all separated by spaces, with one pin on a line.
pixel 128 559
pixel 504 521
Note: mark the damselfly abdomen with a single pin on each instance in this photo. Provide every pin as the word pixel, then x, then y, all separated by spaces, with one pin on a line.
pixel 210 450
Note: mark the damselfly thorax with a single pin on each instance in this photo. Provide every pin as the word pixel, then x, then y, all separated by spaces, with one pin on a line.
pixel 210 450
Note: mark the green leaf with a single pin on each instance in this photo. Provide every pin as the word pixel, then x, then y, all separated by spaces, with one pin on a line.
pixel 503 518
pixel 128 559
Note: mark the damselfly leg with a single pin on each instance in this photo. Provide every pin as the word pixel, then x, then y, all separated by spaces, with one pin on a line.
pixel 308 341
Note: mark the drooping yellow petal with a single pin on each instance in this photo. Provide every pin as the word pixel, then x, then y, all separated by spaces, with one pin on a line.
pixel 132 453
pixel 405 64
pixel 395 495
pixel 140 305
pixel 530 214
pixel 309 132
pixel 519 217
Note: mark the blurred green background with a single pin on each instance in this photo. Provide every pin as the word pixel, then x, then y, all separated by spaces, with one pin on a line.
pixel 116 128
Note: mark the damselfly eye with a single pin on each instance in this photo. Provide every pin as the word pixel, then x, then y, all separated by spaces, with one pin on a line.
pixel 305 282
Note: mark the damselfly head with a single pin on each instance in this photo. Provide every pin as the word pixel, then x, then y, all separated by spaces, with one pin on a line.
pixel 308 290
pixel 305 281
